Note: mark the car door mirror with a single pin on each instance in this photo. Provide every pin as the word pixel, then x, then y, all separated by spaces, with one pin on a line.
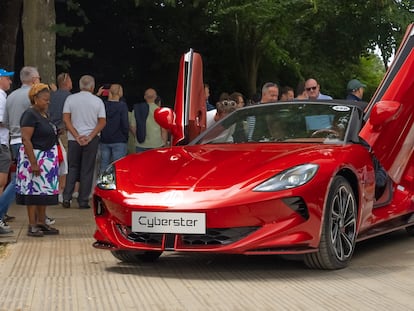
pixel 165 117
pixel 383 112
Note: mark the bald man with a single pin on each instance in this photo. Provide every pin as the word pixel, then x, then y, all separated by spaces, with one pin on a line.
pixel 312 88
pixel 148 133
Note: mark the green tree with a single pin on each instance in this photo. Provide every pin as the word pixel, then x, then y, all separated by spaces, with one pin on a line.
pixel 9 26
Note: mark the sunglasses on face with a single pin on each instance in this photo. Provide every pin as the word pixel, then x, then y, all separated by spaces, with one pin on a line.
pixel 227 103
pixel 311 88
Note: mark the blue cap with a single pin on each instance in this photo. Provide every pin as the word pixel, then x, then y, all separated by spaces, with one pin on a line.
pixel 4 73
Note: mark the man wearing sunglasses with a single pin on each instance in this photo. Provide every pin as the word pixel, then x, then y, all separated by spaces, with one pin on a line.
pixel 312 88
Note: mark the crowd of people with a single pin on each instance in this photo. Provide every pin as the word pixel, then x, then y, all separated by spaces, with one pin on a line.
pixel 53 142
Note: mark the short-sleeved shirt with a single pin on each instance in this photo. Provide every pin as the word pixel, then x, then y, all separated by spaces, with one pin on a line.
pixel 44 134
pixel 85 109
pixel 4 131
pixel 17 102
pixel 57 100
pixel 324 97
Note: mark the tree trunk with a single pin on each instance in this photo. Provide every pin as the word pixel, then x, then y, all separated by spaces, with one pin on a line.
pixel 9 25
pixel 39 38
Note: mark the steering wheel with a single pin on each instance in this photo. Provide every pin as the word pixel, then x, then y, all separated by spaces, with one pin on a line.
pixel 328 133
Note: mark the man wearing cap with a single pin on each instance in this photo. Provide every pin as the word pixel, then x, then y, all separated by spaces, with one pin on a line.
pixel 355 90
pixel 5 157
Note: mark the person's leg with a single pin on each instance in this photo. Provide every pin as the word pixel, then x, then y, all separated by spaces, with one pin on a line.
pixel 74 165
pixel 105 155
pixel 8 196
pixel 40 214
pixel 33 230
pixel 119 150
pixel 15 151
pixel 87 171
pixel 5 161
pixel 3 181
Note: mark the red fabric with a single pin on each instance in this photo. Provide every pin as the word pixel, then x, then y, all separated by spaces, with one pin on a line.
pixel 60 153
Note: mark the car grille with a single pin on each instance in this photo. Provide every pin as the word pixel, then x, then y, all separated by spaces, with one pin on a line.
pixel 220 236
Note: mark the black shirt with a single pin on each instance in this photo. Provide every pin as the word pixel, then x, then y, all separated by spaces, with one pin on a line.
pixel 57 101
pixel 44 134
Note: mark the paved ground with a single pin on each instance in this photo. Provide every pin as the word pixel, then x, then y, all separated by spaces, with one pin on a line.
pixel 66 273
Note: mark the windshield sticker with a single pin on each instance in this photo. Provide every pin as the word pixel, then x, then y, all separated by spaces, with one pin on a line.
pixel 341 108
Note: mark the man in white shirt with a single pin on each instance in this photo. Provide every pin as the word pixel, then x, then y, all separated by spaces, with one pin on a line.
pixel 84 116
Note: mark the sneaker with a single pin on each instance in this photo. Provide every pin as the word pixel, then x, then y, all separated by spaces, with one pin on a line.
pixel 34 231
pixel 4 228
pixel 3 224
pixel 8 218
pixel 75 195
pixel 49 221
pixel 66 204
pixel 47 230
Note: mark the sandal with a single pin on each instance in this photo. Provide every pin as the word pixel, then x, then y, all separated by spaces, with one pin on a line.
pixel 47 229
pixel 34 231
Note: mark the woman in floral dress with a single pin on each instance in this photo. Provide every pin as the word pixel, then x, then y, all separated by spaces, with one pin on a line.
pixel 37 170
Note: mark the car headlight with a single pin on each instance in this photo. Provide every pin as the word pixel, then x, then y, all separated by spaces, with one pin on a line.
pixel 107 179
pixel 291 178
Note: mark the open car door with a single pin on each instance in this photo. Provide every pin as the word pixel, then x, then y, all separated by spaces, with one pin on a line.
pixel 389 127
pixel 190 99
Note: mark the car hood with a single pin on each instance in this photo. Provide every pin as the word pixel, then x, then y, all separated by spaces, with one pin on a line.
pixel 214 166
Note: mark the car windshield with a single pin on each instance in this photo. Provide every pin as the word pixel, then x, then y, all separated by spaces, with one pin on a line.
pixel 316 122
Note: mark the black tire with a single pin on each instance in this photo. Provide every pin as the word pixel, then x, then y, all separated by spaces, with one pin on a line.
pixel 136 256
pixel 338 234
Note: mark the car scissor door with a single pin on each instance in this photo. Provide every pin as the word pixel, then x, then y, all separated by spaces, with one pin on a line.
pixel 190 100
pixel 389 127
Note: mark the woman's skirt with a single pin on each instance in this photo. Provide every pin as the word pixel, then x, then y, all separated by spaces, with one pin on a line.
pixel 42 189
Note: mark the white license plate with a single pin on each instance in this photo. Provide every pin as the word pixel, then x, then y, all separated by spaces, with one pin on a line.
pixel 164 222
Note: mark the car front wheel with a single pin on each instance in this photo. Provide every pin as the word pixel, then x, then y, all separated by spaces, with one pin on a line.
pixel 338 233
pixel 136 256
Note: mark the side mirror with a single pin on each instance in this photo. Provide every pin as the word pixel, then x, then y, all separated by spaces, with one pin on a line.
pixel 384 112
pixel 165 117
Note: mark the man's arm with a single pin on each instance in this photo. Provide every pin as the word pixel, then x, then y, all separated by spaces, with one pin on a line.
pixel 69 126
pixel 98 128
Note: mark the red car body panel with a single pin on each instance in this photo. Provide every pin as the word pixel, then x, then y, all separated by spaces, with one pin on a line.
pixel 393 139
pixel 226 197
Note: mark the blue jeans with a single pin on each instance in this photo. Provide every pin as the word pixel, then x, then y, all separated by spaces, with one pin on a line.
pixel 15 150
pixel 112 152
pixel 141 149
pixel 8 196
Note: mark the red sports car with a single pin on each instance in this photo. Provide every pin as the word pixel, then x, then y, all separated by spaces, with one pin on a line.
pixel 301 177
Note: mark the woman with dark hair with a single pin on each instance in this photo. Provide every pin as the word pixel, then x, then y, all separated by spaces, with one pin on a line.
pixel 37 165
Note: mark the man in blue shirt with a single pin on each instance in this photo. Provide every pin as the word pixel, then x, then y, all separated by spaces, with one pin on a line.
pixel 312 88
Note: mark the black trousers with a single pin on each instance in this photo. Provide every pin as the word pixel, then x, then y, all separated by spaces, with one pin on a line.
pixel 81 165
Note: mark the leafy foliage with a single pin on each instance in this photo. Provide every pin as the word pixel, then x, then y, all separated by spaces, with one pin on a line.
pixel 243 43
